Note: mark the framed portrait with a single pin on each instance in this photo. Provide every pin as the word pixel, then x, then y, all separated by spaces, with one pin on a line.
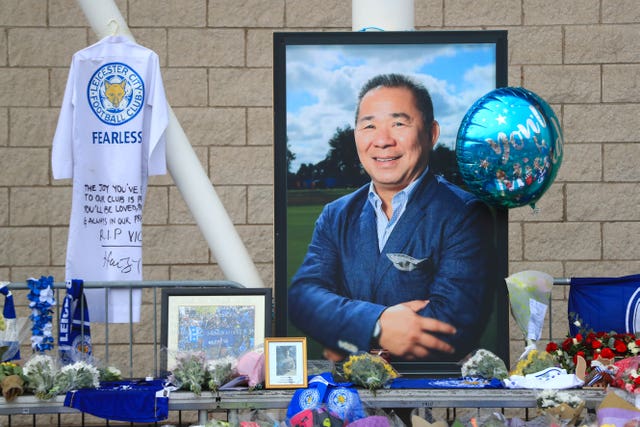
pixel 220 322
pixel 317 77
pixel 285 362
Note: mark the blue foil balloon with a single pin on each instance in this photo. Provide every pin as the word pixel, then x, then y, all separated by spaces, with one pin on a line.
pixel 509 147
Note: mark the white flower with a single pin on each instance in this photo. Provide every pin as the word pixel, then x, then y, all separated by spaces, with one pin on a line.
pixel 551 398
pixel 114 371
pixel 77 375
pixel 40 372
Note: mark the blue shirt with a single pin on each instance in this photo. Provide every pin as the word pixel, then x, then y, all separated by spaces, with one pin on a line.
pixel 398 205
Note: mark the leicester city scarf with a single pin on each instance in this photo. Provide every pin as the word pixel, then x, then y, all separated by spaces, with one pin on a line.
pixel 9 338
pixel 74 334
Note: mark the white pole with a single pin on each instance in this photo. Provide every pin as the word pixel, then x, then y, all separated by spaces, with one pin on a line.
pixel 192 182
pixel 382 15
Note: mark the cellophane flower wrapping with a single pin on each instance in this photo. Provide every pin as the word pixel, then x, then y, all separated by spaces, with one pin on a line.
pixel 368 370
pixel 627 376
pixel 220 371
pixel 76 376
pixel 251 365
pixel 190 371
pixel 529 296
pixel 485 364
pixel 563 405
pixel 13 330
pixel 40 372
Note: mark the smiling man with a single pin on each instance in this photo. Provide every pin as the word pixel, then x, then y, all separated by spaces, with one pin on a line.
pixel 403 263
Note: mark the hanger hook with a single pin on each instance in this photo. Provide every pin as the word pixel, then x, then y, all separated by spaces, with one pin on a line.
pixel 115 27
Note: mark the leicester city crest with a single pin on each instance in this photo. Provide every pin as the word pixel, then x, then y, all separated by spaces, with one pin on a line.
pixel 340 400
pixel 309 398
pixel 115 93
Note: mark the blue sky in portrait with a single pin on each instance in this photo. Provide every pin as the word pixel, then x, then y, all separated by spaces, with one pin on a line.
pixel 323 81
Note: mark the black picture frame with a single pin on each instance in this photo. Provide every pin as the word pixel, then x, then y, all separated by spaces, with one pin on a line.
pixel 303 59
pixel 218 321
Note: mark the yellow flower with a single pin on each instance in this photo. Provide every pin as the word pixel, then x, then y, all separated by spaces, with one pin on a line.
pixel 368 371
pixel 534 362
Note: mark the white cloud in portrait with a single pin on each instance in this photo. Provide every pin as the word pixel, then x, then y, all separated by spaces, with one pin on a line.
pixel 323 82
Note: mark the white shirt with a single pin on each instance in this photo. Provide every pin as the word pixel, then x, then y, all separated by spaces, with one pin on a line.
pixel 109 138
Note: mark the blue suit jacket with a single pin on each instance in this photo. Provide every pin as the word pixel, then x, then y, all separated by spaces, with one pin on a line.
pixel 345 283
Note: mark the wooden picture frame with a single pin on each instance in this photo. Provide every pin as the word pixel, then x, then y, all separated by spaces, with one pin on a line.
pixel 285 362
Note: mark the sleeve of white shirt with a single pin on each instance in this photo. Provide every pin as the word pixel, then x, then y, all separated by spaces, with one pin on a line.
pixel 62 150
pixel 159 120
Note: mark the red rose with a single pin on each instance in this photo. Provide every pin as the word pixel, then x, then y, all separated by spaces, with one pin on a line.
pixel 638 342
pixel 551 347
pixel 620 346
pixel 607 353
pixel 566 344
pixel 636 381
pixel 579 338
pixel 595 344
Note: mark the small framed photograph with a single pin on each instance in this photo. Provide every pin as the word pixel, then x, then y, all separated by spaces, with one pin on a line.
pixel 285 362
pixel 220 322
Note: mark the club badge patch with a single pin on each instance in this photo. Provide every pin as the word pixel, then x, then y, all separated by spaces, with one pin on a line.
pixel 115 93
pixel 340 400
pixel 309 398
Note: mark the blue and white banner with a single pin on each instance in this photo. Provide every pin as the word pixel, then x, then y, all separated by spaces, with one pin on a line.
pixel 605 304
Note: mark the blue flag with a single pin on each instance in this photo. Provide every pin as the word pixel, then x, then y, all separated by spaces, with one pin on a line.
pixel 605 304
pixel 74 333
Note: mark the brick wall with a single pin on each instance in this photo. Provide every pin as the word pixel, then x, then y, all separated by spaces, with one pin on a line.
pixel 582 56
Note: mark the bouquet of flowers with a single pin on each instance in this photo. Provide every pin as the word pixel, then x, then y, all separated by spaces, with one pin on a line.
pixel 630 381
pixel 534 362
pixel 11 380
pixel 110 373
pixel 529 295
pixel 190 371
pixel 219 372
pixel 40 372
pixel 485 364
pixel 368 370
pixel 592 346
pixel 561 404
pixel 76 376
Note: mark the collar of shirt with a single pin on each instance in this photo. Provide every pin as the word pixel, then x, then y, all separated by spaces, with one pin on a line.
pixel 399 201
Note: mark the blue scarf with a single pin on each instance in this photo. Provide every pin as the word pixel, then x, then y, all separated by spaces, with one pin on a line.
pixel 74 336
pixel 9 313
pixel 133 401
